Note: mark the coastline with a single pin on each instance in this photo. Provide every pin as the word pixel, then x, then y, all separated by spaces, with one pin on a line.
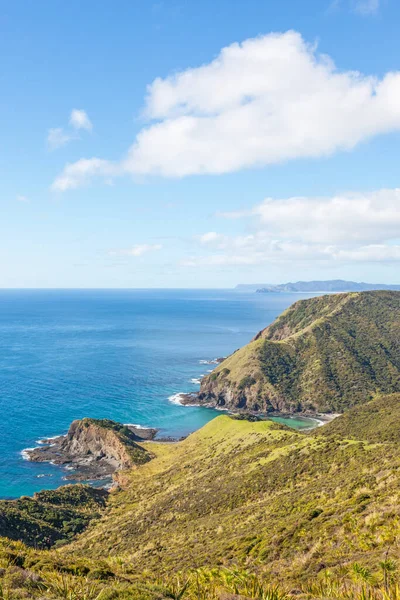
pixel 79 471
pixel 189 399
pixel 47 449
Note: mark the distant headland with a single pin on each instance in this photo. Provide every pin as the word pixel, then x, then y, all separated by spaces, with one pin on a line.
pixel 334 285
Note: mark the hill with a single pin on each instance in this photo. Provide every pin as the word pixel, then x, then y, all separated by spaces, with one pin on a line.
pixel 256 494
pixel 323 354
pixel 251 503
pixel 334 285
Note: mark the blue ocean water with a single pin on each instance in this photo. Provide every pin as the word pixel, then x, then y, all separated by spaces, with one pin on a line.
pixel 119 354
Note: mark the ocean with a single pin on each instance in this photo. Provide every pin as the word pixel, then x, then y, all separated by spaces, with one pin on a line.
pixel 118 354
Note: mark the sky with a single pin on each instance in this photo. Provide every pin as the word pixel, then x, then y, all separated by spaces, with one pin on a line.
pixel 198 144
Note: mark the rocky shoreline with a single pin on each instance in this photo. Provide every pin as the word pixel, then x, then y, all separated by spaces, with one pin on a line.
pixel 94 450
pixel 194 399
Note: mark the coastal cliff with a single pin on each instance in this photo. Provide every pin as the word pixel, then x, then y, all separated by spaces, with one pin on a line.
pixel 93 449
pixel 324 354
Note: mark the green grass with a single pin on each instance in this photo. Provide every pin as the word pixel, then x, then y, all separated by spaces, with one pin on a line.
pixel 28 574
pixel 258 495
pixel 241 508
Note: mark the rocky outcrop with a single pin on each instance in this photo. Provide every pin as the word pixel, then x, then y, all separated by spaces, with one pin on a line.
pixel 93 449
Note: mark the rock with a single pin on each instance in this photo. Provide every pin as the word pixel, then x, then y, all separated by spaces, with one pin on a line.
pixel 94 449
pixel 143 433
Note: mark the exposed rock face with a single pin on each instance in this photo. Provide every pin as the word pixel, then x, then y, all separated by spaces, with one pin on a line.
pixel 93 449
pixel 324 354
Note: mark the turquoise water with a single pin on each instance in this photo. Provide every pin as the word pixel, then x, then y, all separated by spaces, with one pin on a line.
pixel 67 354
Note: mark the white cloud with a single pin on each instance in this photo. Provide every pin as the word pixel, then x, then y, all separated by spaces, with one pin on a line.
pixel 212 237
pixel 80 120
pixel 265 101
pixel 137 250
pixel 347 228
pixel 366 7
pixel 57 137
pixel 371 253
pixel 21 198
pixel 361 7
pixel 368 217
pixel 80 172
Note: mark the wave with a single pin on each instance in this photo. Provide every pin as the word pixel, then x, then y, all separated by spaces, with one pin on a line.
pixel 177 398
pixel 25 453
pixel 195 381
pixel 212 361
pixel 136 426
pixel 44 441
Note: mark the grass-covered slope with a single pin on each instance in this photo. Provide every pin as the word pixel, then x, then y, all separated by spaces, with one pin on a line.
pixel 253 504
pixel 51 516
pixel 376 422
pixel 324 354
pixel 261 496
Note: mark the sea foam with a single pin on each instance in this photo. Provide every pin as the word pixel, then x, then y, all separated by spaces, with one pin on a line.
pixel 25 453
pixel 176 398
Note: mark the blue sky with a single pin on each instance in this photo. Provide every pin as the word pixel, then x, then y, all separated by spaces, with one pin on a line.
pixel 199 144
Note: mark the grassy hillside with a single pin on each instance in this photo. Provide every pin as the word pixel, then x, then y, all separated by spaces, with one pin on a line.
pixel 257 494
pixel 324 354
pixel 250 504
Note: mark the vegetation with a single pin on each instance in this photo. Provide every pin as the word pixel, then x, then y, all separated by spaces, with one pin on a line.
pixel 259 495
pixel 323 354
pixel 50 517
pixel 44 575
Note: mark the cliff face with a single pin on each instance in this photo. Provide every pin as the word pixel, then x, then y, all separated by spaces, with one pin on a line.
pixel 87 438
pixel 93 449
pixel 323 354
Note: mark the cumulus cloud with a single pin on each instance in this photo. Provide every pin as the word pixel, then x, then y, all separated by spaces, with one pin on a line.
pixel 265 101
pixel 59 136
pixel 368 217
pixel 137 250
pixel 346 227
pixel 80 120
